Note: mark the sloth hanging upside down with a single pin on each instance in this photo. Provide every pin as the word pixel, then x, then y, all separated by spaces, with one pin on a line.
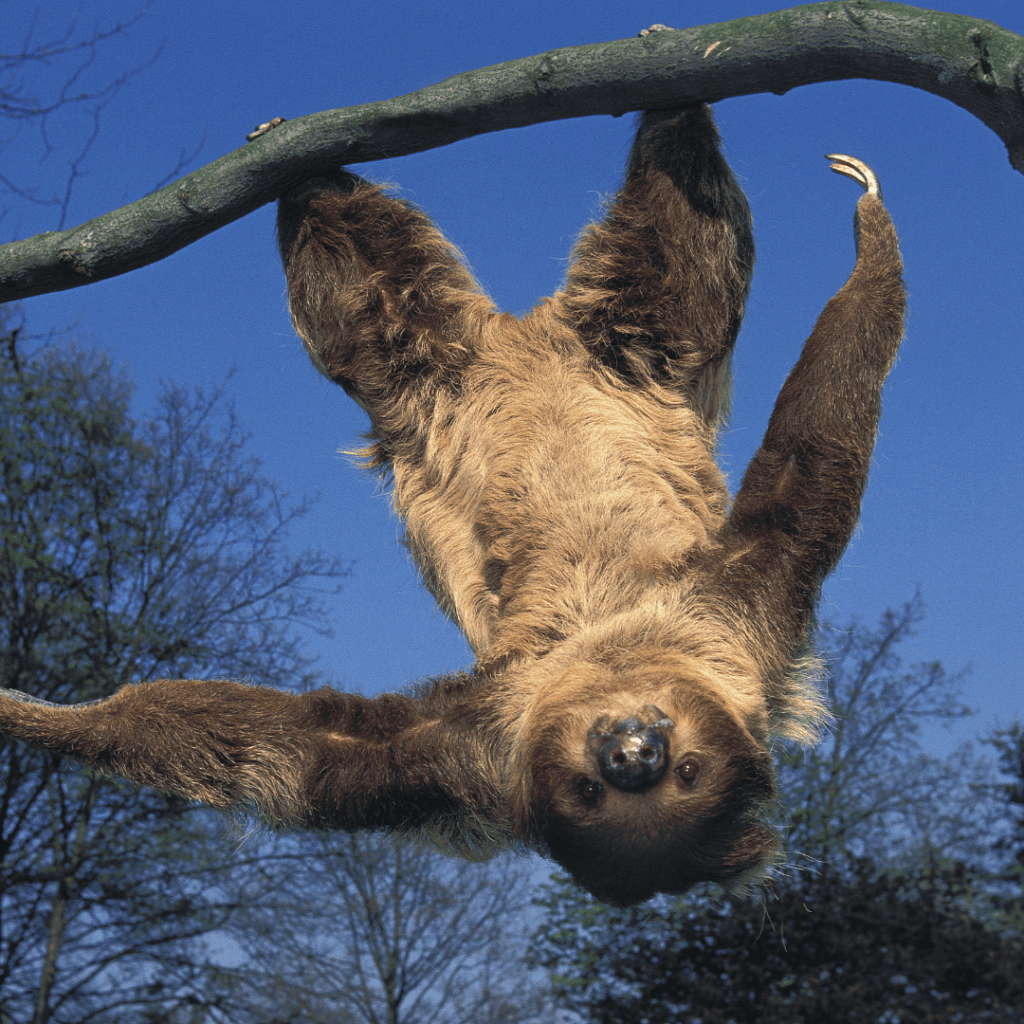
pixel 638 641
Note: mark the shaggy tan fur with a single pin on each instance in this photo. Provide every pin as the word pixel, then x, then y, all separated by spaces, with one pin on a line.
pixel 638 643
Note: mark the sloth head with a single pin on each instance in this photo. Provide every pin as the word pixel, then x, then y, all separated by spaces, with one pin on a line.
pixel 645 785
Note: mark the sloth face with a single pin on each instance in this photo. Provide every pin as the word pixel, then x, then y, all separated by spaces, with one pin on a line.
pixel 647 789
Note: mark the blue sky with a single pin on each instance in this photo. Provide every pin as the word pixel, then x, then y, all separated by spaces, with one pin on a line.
pixel 943 510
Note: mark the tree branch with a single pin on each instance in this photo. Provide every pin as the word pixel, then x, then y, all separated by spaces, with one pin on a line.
pixel 973 63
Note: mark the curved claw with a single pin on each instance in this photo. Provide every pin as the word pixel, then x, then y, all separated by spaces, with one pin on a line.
pixel 856 169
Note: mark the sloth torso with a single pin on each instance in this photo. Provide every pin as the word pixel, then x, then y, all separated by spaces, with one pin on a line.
pixel 556 495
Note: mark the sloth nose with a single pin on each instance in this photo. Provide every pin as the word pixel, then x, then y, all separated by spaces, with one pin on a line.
pixel 633 756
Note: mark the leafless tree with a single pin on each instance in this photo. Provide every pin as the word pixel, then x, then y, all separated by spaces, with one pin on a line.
pixel 870 785
pixel 366 929
pixel 48 76
pixel 132 548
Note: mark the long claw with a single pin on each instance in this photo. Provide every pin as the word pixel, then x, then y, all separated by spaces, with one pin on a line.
pixel 856 169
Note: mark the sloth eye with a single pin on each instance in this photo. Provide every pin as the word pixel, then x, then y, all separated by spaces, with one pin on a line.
pixel 688 770
pixel 589 791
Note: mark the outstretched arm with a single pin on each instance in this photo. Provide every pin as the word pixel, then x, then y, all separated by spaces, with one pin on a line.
pixel 800 497
pixel 320 760
pixel 657 288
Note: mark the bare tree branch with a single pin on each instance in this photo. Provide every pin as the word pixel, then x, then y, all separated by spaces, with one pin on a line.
pixel 971 62
pixel 21 103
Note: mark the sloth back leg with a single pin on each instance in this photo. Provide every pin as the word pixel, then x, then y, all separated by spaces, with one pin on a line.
pixel 381 300
pixel 657 289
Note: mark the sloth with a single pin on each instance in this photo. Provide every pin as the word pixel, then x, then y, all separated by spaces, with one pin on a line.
pixel 640 642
